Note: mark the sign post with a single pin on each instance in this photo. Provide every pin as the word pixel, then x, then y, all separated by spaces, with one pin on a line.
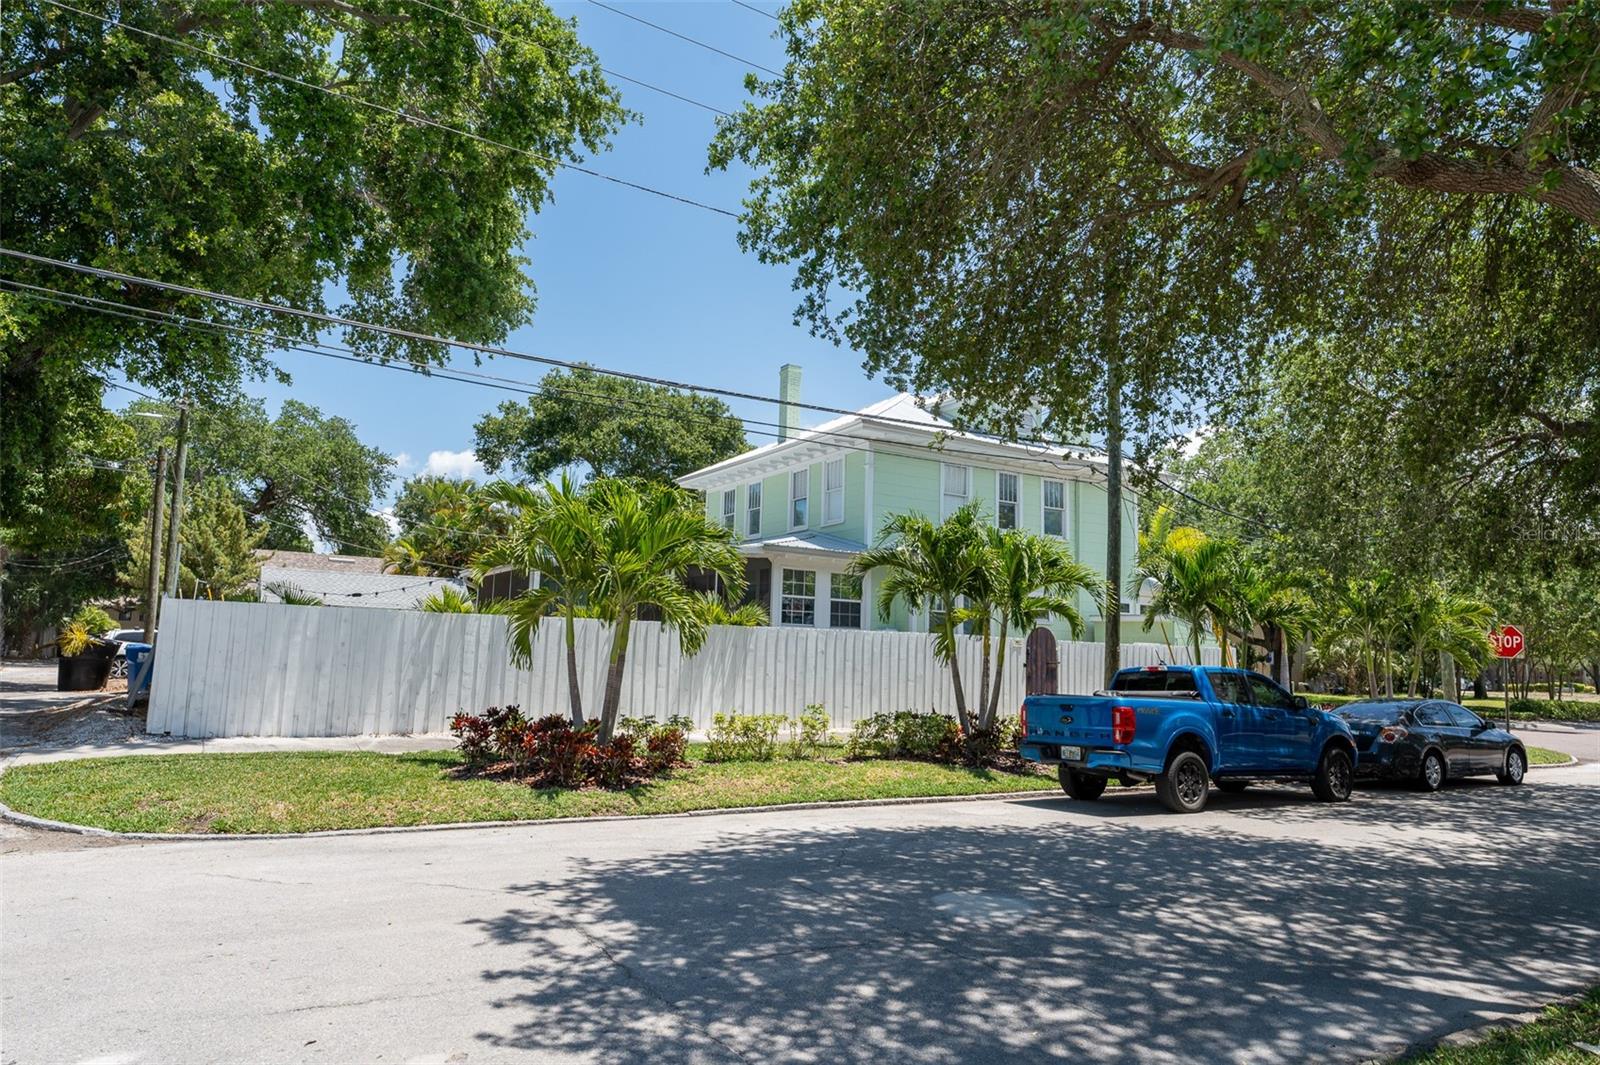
pixel 1508 644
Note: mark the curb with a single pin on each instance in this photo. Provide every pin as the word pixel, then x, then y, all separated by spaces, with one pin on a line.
pixel 30 821
pixel 1571 761
pixel 1463 1037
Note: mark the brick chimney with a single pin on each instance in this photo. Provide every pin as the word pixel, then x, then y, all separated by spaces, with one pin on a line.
pixel 788 397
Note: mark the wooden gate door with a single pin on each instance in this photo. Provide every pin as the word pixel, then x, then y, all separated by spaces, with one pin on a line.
pixel 1043 662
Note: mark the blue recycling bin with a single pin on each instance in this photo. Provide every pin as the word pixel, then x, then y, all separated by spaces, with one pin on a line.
pixel 141 665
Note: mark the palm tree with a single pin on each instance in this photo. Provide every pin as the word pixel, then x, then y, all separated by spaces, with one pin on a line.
pixel 645 540
pixel 551 531
pixel 1195 577
pixel 717 612
pixel 1434 619
pixel 1365 610
pixel 929 567
pixel 404 556
pixel 447 601
pixel 1037 578
pixel 1278 606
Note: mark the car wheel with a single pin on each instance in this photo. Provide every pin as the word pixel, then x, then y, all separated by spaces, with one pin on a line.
pixel 1233 787
pixel 1184 786
pixel 1431 776
pixel 1080 785
pixel 119 666
pixel 1335 776
pixel 1516 767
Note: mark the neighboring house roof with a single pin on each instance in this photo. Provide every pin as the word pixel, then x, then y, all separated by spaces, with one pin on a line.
pixel 899 420
pixel 815 543
pixel 307 560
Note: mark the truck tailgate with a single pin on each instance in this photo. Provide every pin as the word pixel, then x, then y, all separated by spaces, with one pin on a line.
pixel 1084 720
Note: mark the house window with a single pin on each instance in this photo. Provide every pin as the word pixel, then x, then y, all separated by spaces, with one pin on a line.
pixel 799 605
pixel 844 601
pixel 729 506
pixel 957 487
pixel 1006 494
pixel 833 491
pixel 799 486
pixel 752 509
pixel 1055 508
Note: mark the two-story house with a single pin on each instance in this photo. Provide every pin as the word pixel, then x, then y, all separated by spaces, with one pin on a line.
pixel 804 506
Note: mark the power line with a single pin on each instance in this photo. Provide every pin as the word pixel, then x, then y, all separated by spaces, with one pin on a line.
pixel 546 360
pixel 421 120
pixel 499 34
pixel 685 37
pixel 757 10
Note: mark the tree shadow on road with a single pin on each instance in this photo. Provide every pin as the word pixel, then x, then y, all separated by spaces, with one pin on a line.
pixel 1135 936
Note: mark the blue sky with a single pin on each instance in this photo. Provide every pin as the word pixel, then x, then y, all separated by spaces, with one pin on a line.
pixel 625 279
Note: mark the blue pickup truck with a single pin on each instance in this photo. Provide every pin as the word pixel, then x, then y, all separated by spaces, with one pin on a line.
pixel 1183 727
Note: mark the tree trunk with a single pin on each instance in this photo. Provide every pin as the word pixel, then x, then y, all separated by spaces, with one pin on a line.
pixel 1388 672
pixel 1110 344
pixel 1372 672
pixel 1480 687
pixel 575 700
pixel 962 716
pixel 1447 676
pixel 993 709
pixel 619 660
pixel 984 675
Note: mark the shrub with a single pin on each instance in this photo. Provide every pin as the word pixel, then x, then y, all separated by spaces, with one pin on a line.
pixel 94 619
pixel 614 764
pixel 642 728
pixel 551 752
pixel 665 749
pixel 809 731
pixel 744 737
pixel 907 734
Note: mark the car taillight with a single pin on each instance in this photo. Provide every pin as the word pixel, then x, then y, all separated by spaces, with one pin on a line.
pixel 1122 724
pixel 1022 720
pixel 1392 734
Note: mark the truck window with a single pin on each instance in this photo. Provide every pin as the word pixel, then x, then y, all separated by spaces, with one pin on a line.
pixel 1228 686
pixel 1153 680
pixel 1269 694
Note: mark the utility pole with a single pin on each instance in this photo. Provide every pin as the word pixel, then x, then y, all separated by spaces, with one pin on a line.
pixel 152 582
pixel 1110 350
pixel 174 526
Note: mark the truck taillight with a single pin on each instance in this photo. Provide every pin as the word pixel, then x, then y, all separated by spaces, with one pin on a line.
pixel 1022 720
pixel 1122 724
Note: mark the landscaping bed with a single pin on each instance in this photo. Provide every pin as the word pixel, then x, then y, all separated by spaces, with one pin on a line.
pixel 1547 1041
pixel 301 792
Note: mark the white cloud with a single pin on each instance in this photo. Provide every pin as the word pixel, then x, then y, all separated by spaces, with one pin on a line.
pixel 389 520
pixel 453 464
pixel 403 462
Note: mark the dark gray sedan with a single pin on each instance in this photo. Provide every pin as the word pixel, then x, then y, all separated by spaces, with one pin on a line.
pixel 1430 741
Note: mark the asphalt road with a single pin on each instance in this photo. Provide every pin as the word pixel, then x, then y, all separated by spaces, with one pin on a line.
pixel 1270 929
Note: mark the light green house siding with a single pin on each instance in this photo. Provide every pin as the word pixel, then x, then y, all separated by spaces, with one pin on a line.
pixel 902 485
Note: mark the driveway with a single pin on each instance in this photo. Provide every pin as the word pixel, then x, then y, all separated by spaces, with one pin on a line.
pixel 1269 929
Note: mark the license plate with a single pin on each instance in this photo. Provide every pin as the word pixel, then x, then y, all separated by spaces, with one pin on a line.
pixel 1072 754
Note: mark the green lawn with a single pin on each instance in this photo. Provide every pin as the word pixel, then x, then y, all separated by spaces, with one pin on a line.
pixel 1545 756
pixel 296 792
pixel 1547 1041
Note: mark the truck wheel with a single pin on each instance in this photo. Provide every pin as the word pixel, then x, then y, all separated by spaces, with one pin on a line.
pixel 1233 787
pixel 1431 777
pixel 1335 776
pixel 1080 785
pixel 1185 784
pixel 1516 767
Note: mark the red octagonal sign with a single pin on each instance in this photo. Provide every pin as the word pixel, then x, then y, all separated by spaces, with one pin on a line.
pixel 1508 642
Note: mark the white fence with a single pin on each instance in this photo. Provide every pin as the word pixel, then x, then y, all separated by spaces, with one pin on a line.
pixel 259 669
pixel 1082 666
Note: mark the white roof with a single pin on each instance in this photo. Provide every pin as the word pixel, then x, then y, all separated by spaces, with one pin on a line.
pixel 898 423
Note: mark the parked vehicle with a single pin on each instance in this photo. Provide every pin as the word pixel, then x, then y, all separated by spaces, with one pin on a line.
pixel 122 637
pixel 1429 741
pixel 1183 727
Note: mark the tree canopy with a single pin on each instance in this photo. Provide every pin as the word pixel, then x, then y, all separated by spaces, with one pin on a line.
pixel 164 160
pixel 612 426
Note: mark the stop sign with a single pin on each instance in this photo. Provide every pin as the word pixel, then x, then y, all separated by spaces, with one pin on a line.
pixel 1508 642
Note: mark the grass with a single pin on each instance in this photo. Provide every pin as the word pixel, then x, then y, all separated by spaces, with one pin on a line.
pixel 1545 756
pixel 299 792
pixel 1546 1041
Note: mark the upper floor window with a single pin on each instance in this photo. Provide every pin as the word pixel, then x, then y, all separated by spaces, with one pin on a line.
pixel 1055 508
pixel 729 506
pixel 833 491
pixel 799 487
pixel 752 509
pixel 1006 496
pixel 956 489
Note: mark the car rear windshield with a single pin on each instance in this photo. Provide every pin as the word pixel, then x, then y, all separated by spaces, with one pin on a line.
pixel 1154 680
pixel 1377 713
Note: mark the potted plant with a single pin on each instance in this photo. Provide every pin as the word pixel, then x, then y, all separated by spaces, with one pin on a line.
pixel 85 660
